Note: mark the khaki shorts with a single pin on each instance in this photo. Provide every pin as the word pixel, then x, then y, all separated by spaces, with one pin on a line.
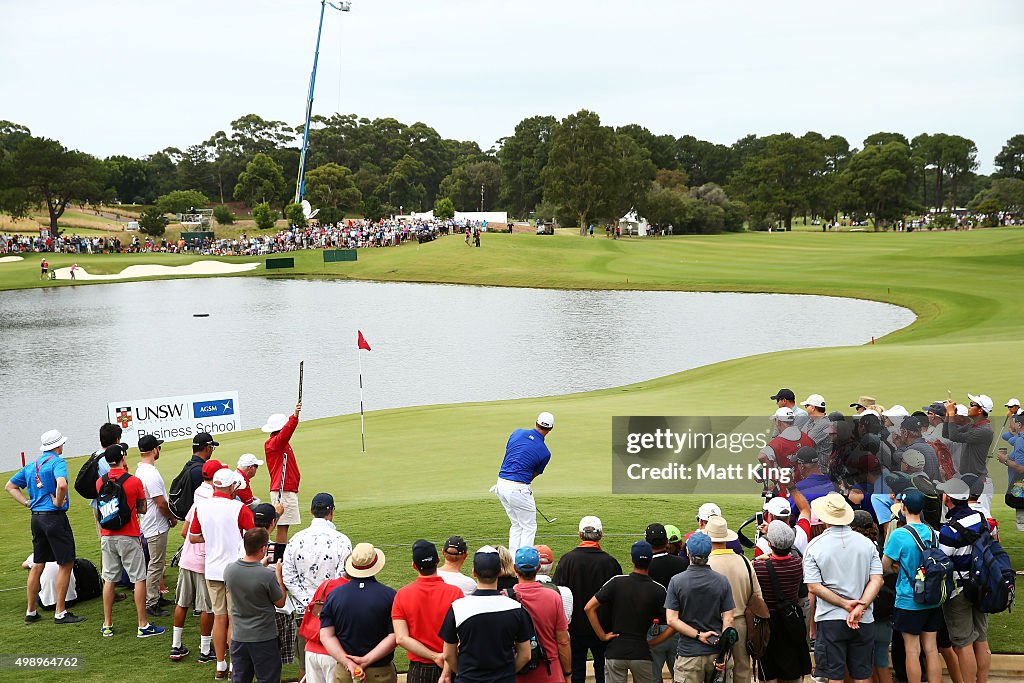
pixel 122 552
pixel 192 591
pixel 290 516
pixel 964 622
pixel 693 669
pixel 374 674
pixel 220 599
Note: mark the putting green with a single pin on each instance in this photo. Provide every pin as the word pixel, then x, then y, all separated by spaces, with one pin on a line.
pixel 427 469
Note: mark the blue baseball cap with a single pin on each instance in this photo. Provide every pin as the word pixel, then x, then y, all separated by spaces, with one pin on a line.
pixel 699 545
pixel 641 552
pixel 527 559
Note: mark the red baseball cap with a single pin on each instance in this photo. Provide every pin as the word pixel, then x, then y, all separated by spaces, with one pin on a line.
pixel 210 468
pixel 546 556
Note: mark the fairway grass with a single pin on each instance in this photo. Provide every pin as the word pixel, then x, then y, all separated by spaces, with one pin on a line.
pixel 427 469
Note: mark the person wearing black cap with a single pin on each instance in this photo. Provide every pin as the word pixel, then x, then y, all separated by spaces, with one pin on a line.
pixel 418 612
pixel 664 565
pixel 455 553
pixel 486 635
pixel 785 398
pixel 633 603
pixel 811 483
pixel 156 523
pixel 315 554
pixel 202 450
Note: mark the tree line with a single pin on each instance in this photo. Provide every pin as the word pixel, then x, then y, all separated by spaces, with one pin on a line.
pixel 574 170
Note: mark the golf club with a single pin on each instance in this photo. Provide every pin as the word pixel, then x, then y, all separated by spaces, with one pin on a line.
pixel 549 521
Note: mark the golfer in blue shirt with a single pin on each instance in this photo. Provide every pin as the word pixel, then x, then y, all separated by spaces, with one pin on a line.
pixel 526 456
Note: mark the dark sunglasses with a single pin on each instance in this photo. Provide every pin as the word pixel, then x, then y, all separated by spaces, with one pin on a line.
pixel 974 405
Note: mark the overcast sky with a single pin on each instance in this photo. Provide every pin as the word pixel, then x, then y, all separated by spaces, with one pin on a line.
pixel 115 77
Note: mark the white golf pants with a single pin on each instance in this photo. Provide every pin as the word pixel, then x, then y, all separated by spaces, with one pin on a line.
pixel 517 499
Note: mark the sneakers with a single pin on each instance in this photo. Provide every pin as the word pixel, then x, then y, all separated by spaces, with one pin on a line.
pixel 68 618
pixel 150 630
pixel 106 631
pixel 206 657
pixel 157 612
pixel 164 602
pixel 32 618
pixel 220 675
pixel 178 653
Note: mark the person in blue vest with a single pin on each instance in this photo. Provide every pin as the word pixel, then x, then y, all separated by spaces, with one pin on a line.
pixel 46 480
pixel 526 456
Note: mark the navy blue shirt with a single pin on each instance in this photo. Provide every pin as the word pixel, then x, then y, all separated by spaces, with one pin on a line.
pixel 51 467
pixel 526 456
pixel 360 612
pixel 486 625
pixel 196 473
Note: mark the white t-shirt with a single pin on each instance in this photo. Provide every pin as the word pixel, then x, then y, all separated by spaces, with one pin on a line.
pixel 153 523
pixel 459 580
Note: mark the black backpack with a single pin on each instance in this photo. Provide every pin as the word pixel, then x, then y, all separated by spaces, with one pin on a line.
pixel 87 580
pixel 112 504
pixel 85 482
pixel 182 493
pixel 537 654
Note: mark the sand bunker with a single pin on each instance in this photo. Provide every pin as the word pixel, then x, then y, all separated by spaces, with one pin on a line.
pixel 195 268
pixel 11 259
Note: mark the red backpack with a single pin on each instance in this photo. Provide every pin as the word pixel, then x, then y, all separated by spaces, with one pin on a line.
pixel 946 468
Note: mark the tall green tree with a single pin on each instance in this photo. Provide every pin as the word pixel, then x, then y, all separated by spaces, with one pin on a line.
pixel 466 183
pixel 260 182
pixel 1010 160
pixel 43 171
pixel 128 178
pixel 880 180
pixel 332 186
pixel 180 201
pixel 404 185
pixel 592 173
pixel 782 178
pixel 523 156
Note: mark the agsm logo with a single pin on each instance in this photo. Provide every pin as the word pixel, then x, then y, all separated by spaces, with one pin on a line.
pixel 216 408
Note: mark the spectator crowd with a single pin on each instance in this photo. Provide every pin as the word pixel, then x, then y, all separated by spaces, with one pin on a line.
pixel 880 556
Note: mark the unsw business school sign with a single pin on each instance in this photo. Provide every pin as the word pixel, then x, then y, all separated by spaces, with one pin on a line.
pixel 176 418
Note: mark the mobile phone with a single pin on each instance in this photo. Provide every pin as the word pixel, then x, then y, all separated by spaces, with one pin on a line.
pixel 713 640
pixel 760 518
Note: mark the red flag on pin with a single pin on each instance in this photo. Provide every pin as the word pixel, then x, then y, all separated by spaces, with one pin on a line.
pixel 361 341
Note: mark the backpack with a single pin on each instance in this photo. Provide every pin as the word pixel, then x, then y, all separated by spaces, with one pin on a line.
pixel 992 579
pixel 537 654
pixel 87 580
pixel 933 581
pixel 112 504
pixel 85 481
pixel 182 494
pixel 946 468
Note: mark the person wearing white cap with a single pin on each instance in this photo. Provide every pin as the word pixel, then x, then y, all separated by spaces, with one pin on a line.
pixel 1012 407
pixel 780 450
pixel 46 480
pixel 976 436
pixel 778 509
pixel 247 466
pixel 219 522
pixel 1014 461
pixel 526 456
pixel 817 427
pixel 967 626
pixel 704 513
pixel 583 570
pixel 284 473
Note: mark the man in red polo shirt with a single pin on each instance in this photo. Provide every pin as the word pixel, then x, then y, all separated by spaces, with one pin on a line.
pixel 281 463
pixel 121 546
pixel 418 612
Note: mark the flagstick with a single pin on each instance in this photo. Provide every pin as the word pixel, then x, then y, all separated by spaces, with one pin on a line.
pixel 362 424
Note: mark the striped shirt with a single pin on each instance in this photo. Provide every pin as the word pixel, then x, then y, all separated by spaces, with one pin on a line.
pixel 953 544
pixel 790 573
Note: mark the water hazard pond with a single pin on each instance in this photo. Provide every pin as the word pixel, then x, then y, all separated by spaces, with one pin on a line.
pixel 65 352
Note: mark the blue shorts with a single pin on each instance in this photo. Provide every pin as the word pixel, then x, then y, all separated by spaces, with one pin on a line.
pixel 917 621
pixel 883 638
